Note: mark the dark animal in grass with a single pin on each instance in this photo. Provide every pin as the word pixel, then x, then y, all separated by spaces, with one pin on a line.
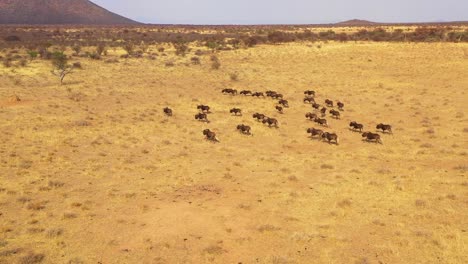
pixel 330 137
pixel 323 111
pixel 202 117
pixel 246 92
pixel 259 116
pixel 329 103
pixel 279 109
pixel 321 121
pixel 244 129
pixel 372 137
pixel 310 116
pixel 277 96
pixel 340 105
pixel 314 132
pixel 235 111
pixel 315 106
pixel 309 93
pixel 284 103
pixel 270 93
pixel 384 128
pixel 204 108
pixel 258 94
pixel 335 114
pixel 229 91
pixel 356 126
pixel 270 122
pixel 210 135
pixel 309 100
pixel 167 111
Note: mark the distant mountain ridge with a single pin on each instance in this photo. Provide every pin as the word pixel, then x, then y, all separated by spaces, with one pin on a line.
pixel 357 22
pixel 57 12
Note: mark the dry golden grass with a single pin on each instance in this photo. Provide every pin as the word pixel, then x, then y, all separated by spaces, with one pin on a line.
pixel 94 172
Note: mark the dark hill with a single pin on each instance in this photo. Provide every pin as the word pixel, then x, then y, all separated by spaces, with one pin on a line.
pixel 57 12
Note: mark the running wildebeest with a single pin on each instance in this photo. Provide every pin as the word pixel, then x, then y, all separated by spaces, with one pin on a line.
pixel 309 100
pixel 309 92
pixel 284 103
pixel 356 126
pixel 384 128
pixel 315 105
pixel 340 105
pixel 204 108
pixel 244 129
pixel 277 96
pixel 279 109
pixel 310 116
pixel 210 135
pixel 229 91
pixel 259 116
pixel 258 94
pixel 323 111
pixel 314 132
pixel 246 92
pixel 202 117
pixel 270 93
pixel 321 121
pixel 330 137
pixel 372 137
pixel 270 122
pixel 335 114
pixel 329 103
pixel 235 111
pixel 167 111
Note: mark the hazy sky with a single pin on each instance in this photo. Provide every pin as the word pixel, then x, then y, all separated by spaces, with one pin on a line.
pixel 286 11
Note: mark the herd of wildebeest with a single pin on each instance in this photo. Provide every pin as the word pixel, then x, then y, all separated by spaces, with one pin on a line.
pixel 318 116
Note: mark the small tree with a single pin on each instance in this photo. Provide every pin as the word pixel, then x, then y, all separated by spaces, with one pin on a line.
pixel 100 49
pixel 77 49
pixel 180 47
pixel 60 64
pixel 32 54
pixel 129 47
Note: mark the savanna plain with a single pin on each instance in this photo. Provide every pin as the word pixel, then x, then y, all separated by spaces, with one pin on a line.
pixel 93 171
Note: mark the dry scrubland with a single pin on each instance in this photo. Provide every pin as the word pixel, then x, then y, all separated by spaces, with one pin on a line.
pixel 93 172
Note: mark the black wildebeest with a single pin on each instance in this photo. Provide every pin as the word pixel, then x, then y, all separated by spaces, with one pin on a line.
pixel 323 111
pixel 270 122
pixel 229 91
pixel 309 93
pixel 329 103
pixel 321 121
pixel 356 126
pixel 204 108
pixel 309 100
pixel 167 111
pixel 330 137
pixel 246 92
pixel 277 96
pixel 202 117
pixel 310 116
pixel 244 129
pixel 258 94
pixel 270 93
pixel 372 137
pixel 235 111
pixel 384 128
pixel 340 105
pixel 315 106
pixel 284 103
pixel 279 109
pixel 335 114
pixel 210 135
pixel 314 132
pixel 258 116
